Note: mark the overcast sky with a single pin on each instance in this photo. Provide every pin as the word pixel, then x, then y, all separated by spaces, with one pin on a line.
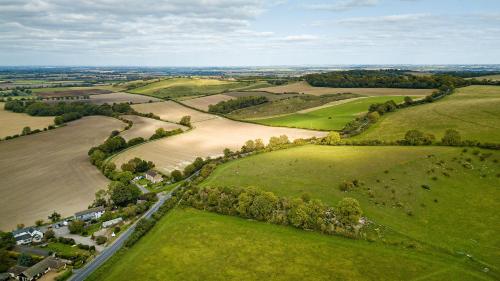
pixel 248 32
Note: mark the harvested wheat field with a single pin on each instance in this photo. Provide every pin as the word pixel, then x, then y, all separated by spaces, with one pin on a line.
pixel 208 138
pixel 121 97
pixel 304 87
pixel 69 92
pixel 13 123
pixel 204 102
pixel 172 111
pixel 145 127
pixel 51 171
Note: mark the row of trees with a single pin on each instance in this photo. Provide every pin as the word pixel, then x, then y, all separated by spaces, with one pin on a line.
pixel 225 107
pixel 382 79
pixel 265 206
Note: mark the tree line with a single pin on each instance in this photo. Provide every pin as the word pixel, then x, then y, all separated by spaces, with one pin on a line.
pixel 382 79
pixel 225 107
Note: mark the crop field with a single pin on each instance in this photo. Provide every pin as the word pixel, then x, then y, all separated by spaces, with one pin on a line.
pixel 181 87
pixel 304 87
pixel 69 93
pixel 286 106
pixel 229 248
pixel 41 91
pixel 13 123
pixel 50 171
pixel 333 117
pixel 211 134
pixel 268 95
pixel 474 111
pixel 172 111
pixel 204 102
pixel 495 77
pixel 390 189
pixel 145 127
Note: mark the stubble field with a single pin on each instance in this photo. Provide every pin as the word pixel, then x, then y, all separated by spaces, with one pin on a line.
pixel 13 123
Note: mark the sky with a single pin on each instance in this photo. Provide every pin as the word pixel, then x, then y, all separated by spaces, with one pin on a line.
pixel 248 32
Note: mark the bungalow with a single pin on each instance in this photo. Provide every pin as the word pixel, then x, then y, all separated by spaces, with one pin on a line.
pixel 27 235
pixel 153 176
pixel 90 214
pixel 41 268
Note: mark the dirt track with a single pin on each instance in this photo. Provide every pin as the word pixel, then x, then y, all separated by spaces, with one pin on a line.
pixel 50 171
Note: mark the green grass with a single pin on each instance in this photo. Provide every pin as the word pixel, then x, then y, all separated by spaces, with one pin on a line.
pixel 58 89
pixel 331 118
pixel 64 249
pixel 189 244
pixel 286 106
pixel 474 111
pixel 459 214
pixel 183 87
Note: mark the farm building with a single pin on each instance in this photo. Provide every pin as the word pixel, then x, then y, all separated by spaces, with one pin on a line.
pixel 153 176
pixel 41 268
pixel 112 222
pixel 90 214
pixel 27 235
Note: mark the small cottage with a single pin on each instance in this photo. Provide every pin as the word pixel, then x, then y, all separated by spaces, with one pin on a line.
pixel 153 176
pixel 90 214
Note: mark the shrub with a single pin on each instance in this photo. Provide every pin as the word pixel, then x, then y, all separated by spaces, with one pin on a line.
pixel 451 137
pixel 100 240
pixel 76 226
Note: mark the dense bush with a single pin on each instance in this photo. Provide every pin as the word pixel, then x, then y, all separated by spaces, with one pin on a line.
pixel 161 133
pixel 224 107
pixel 137 165
pixel 265 206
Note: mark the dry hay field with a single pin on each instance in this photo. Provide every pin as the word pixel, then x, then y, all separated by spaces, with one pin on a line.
pixel 71 93
pixel 208 138
pixel 50 171
pixel 304 87
pixel 145 127
pixel 203 102
pixel 13 123
pixel 172 111
pixel 121 97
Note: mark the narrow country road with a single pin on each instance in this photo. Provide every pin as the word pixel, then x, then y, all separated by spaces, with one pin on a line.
pixel 84 272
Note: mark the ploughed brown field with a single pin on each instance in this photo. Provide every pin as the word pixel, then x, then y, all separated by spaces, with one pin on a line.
pixel 13 123
pixel 50 171
pixel 70 93
pixel 304 87
pixel 209 137
pixel 145 127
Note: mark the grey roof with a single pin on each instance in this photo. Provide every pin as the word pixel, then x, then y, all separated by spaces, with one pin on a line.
pixel 151 173
pixel 23 237
pixel 17 269
pixel 90 211
pixel 4 276
pixel 41 267
pixel 26 229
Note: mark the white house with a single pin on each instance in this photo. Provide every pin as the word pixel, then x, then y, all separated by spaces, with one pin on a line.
pixel 90 214
pixel 27 235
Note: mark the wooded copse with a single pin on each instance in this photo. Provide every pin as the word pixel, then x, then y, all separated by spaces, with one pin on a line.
pixel 382 79
pixel 225 107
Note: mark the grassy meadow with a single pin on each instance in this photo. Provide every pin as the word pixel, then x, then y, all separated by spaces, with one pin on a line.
pixel 188 244
pixel 457 212
pixel 187 87
pixel 474 111
pixel 334 117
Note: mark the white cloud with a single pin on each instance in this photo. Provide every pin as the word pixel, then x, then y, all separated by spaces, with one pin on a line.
pixel 341 5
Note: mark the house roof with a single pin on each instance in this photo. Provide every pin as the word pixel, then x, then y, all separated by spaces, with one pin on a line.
pixel 22 237
pixel 151 173
pixel 17 269
pixel 4 276
pixel 90 211
pixel 29 230
pixel 41 267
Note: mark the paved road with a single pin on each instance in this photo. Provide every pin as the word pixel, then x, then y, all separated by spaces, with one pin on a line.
pixel 83 273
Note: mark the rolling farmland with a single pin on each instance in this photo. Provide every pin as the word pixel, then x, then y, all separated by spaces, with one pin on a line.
pixel 50 171
pixel 13 123
pixel 145 127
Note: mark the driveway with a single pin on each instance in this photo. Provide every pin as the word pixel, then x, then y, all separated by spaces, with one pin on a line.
pixel 63 231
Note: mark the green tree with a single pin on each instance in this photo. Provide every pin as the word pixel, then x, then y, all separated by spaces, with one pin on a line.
pixel 349 211
pixel 124 194
pixel 176 175
pixel 408 100
pixel 259 144
pixel 414 137
pixel 55 217
pixel 7 240
pixel 26 131
pixel 248 147
pixel 76 226
pixel 25 260
pixel 332 138
pixel 186 121
pixel 373 116
pixel 451 137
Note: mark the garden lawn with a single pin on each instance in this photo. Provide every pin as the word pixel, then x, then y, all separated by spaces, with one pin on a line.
pixel 334 117
pixel 474 111
pixel 458 214
pixel 189 244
